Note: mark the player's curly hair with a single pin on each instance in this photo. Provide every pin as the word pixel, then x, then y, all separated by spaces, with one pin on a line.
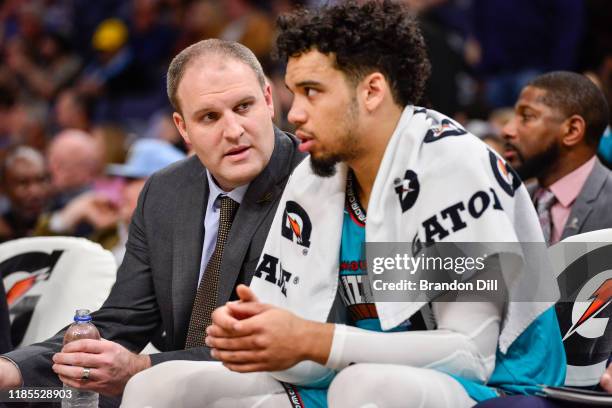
pixel 365 37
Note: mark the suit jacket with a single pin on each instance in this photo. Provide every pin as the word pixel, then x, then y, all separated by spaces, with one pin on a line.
pixel 591 210
pixel 5 327
pixel 157 281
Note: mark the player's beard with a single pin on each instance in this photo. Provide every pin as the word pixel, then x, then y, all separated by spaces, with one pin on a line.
pixel 537 165
pixel 325 164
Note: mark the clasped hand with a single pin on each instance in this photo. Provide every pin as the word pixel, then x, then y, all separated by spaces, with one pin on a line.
pixel 248 336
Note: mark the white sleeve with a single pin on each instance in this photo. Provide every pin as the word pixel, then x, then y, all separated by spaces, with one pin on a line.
pixel 464 344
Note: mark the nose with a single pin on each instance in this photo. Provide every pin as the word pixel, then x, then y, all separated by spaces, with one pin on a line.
pixel 232 128
pixel 509 129
pixel 296 115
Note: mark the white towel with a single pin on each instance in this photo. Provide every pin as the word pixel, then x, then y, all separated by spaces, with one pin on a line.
pixel 430 164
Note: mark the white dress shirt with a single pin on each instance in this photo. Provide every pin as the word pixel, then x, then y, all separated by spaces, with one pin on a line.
pixel 212 216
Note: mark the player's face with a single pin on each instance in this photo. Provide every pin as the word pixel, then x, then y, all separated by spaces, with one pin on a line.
pixel 532 134
pixel 227 118
pixel 324 110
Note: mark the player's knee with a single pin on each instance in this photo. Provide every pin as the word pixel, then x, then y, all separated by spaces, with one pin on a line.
pixel 355 386
pixel 149 388
pixel 368 386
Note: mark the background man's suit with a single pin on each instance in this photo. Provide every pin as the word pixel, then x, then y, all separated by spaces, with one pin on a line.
pixel 157 281
pixel 591 210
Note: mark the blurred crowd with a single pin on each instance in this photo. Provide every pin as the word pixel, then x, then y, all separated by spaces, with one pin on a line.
pixel 84 116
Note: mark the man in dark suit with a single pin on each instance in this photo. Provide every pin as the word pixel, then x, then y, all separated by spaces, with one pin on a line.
pixel 180 245
pixel 558 122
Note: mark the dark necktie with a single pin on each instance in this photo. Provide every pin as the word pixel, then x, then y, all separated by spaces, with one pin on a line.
pixel 545 199
pixel 206 296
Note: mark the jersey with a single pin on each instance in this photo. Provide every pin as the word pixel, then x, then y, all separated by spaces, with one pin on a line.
pixel 536 356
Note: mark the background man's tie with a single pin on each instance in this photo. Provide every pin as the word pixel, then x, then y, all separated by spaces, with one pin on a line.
pixel 545 200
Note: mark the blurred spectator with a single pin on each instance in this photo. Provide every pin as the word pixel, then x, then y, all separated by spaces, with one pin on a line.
pixel 7 105
pixel 43 74
pixel 162 127
pixel 203 19
pixel 112 142
pixel 151 40
pixel 25 181
pixel 559 120
pixel 112 70
pixel 109 216
pixel 250 26
pixel 74 163
pixel 74 110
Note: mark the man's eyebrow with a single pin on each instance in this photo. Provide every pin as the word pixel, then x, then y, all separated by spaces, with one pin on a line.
pixel 304 84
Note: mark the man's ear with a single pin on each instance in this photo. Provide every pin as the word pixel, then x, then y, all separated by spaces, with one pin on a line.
pixel 179 122
pixel 373 89
pixel 574 129
pixel 267 91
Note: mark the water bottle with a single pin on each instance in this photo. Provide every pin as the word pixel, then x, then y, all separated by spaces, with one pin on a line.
pixel 82 328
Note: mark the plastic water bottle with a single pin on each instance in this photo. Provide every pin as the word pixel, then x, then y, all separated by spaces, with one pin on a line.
pixel 82 328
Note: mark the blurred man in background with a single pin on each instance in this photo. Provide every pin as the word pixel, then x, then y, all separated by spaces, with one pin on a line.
pixel 25 181
pixel 553 137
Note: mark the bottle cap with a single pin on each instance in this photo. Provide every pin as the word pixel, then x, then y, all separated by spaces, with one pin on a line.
pixel 82 315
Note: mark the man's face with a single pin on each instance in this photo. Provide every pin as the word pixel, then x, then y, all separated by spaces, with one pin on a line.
pixel 324 111
pixel 68 171
pixel 532 135
pixel 27 186
pixel 227 119
pixel 129 198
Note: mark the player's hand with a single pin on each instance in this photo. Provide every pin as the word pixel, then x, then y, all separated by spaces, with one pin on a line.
pixel 10 377
pixel 606 379
pixel 225 317
pixel 251 336
pixel 268 341
pixel 111 365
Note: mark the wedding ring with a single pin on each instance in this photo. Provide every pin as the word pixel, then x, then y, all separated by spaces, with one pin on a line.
pixel 85 375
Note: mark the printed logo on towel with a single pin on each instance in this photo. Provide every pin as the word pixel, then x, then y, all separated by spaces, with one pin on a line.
pixel 296 223
pixel 443 129
pixel 505 175
pixel 407 190
pixel 456 217
pixel 585 322
pixel 273 271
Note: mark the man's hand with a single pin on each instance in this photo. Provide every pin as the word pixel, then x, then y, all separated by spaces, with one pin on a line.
pixel 250 336
pixel 10 377
pixel 93 207
pixel 111 365
pixel 606 379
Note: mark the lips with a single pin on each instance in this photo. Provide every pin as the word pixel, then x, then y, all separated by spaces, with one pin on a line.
pixel 306 141
pixel 235 151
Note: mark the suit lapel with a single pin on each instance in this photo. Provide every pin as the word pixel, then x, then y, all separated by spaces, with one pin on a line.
pixel 582 206
pixel 259 199
pixel 187 246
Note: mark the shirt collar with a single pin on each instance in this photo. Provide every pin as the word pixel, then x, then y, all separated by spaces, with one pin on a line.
pixel 567 188
pixel 236 194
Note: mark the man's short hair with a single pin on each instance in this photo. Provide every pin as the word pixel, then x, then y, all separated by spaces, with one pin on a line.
pixel 16 153
pixel 363 38
pixel 227 49
pixel 575 94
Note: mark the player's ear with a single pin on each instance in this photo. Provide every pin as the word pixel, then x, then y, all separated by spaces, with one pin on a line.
pixel 373 89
